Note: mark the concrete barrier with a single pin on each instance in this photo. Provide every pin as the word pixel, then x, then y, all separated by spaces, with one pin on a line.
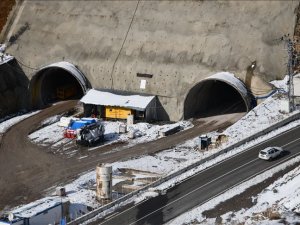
pixel 170 131
pixel 181 171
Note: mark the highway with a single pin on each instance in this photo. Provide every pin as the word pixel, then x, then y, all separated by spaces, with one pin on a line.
pixel 206 184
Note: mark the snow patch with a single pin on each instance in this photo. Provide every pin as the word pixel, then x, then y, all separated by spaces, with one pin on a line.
pixel 5 125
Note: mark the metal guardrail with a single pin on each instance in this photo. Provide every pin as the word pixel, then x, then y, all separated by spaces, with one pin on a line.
pixel 93 213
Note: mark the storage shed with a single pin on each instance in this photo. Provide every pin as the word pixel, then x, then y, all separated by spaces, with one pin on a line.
pixel 49 210
pixel 104 104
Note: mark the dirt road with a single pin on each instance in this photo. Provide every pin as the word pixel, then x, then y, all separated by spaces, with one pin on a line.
pixel 27 170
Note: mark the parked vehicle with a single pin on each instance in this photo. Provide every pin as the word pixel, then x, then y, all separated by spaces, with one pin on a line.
pixel 270 153
pixel 91 134
pixel 75 125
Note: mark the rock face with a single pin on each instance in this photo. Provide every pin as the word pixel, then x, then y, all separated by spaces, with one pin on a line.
pixel 14 95
pixel 6 7
pixel 179 43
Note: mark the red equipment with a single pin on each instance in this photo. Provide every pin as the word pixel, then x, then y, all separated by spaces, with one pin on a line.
pixel 68 133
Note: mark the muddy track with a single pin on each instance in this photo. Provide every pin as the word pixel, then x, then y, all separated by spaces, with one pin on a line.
pixel 27 170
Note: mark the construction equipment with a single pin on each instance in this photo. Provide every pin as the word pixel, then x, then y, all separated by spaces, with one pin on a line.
pixel 69 133
pixel 65 92
pixel 75 125
pixel 90 134
pixel 117 112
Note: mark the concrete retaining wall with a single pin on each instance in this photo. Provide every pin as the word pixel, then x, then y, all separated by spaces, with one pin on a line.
pixel 179 172
pixel 178 42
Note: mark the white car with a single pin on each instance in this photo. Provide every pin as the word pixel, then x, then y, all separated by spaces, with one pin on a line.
pixel 270 153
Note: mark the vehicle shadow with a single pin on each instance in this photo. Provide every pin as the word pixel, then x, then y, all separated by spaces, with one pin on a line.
pixel 283 154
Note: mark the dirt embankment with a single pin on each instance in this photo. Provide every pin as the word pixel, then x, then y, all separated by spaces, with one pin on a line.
pixel 5 6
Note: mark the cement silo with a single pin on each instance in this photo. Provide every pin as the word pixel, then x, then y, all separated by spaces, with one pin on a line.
pixel 104 182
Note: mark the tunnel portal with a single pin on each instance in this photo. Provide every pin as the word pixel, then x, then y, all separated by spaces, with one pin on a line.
pixel 57 82
pixel 217 95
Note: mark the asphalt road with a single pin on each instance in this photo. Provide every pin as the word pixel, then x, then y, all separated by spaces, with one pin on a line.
pixel 207 184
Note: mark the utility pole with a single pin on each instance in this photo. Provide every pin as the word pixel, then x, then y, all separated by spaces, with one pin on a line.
pixel 290 70
pixel 290 73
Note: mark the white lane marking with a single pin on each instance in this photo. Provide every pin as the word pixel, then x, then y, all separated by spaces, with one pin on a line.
pixel 185 194
pixel 216 178
pixel 233 157
pixel 239 153
pixel 270 167
pixel 196 189
pixel 290 142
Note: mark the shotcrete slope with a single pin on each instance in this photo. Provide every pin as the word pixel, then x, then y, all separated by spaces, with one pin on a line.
pixel 178 42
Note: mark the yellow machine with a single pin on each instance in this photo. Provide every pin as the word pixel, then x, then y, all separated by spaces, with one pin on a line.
pixel 117 112
pixel 65 92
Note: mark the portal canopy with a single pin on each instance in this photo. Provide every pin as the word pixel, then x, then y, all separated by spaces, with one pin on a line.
pixel 221 93
pixel 57 81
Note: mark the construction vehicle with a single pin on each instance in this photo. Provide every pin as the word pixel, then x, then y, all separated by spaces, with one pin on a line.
pixel 75 125
pixel 90 134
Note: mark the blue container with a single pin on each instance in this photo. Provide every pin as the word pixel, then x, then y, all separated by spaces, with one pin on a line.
pixel 77 124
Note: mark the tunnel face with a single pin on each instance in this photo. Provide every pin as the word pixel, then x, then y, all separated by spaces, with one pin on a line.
pixel 54 84
pixel 213 97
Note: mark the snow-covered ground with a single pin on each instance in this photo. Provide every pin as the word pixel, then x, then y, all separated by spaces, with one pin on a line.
pixel 6 123
pixel 51 134
pixel 81 192
pixel 4 57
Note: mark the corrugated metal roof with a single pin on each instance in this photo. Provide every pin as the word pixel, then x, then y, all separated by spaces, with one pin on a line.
pixel 96 97
pixel 37 207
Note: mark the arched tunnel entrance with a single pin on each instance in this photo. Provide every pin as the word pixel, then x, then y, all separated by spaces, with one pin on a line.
pixel 219 94
pixel 57 82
